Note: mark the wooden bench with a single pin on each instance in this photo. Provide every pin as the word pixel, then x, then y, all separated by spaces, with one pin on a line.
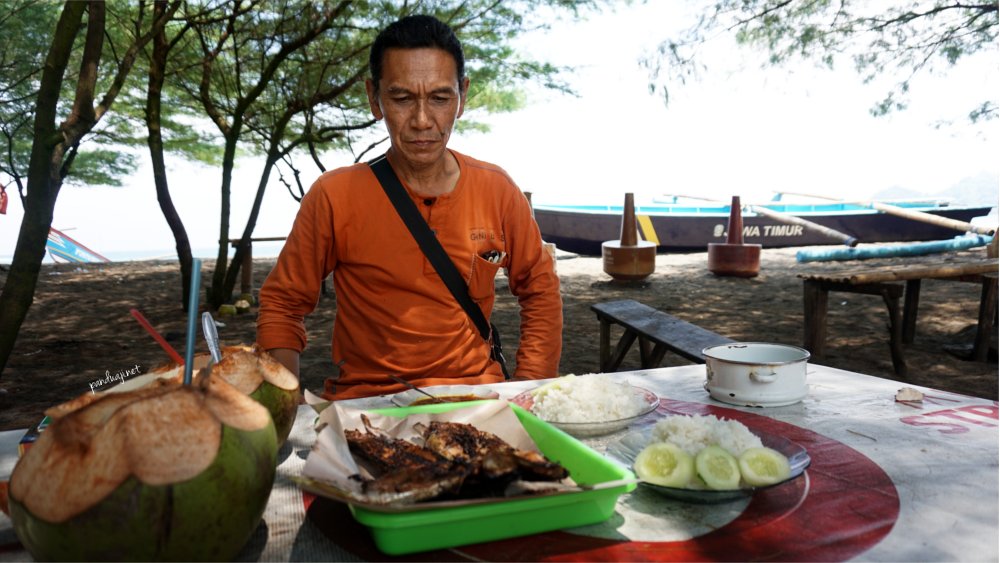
pixel 888 282
pixel 656 331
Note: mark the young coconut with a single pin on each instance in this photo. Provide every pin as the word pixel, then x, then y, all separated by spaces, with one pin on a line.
pixel 249 369
pixel 256 373
pixel 167 472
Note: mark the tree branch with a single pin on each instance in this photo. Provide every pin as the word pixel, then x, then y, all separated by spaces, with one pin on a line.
pixel 82 117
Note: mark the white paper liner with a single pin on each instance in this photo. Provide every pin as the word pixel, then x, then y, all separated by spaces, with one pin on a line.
pixel 315 401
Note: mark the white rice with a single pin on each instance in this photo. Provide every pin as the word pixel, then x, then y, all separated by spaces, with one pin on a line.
pixel 692 433
pixel 587 398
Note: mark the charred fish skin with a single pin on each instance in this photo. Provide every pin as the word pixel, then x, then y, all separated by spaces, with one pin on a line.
pixel 404 472
pixel 455 441
pixel 488 453
pixel 535 467
pixel 490 469
pixel 408 486
pixel 386 454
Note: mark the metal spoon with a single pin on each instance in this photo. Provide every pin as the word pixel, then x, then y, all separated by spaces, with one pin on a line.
pixel 398 379
pixel 211 336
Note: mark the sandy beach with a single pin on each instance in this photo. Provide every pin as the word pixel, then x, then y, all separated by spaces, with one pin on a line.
pixel 79 330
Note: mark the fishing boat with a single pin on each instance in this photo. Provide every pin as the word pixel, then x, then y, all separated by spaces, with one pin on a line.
pixel 62 247
pixel 582 229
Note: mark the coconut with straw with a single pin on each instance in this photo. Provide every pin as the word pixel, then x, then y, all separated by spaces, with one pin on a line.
pixel 173 471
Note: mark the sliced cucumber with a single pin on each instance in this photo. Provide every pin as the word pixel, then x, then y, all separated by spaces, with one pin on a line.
pixel 764 466
pixel 717 468
pixel 665 464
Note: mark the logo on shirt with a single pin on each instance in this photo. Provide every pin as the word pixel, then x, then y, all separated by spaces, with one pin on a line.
pixel 485 234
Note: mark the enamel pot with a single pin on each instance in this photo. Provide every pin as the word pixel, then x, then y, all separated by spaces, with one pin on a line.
pixel 756 374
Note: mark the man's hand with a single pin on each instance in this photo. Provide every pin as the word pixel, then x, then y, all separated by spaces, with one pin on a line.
pixel 287 357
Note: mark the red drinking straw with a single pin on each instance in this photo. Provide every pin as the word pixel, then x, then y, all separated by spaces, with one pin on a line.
pixel 156 336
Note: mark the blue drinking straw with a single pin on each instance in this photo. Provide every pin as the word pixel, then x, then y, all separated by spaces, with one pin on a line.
pixel 192 319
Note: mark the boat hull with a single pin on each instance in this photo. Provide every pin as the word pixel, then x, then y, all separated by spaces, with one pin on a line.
pixel 582 232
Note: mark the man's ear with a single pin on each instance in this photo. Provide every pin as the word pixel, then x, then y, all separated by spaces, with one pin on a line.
pixel 373 99
pixel 463 93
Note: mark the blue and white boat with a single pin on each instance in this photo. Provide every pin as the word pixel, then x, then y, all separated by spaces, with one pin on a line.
pixel 690 227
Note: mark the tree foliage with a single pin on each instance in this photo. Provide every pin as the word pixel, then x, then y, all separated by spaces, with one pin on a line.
pixel 895 38
pixel 24 25
pixel 105 155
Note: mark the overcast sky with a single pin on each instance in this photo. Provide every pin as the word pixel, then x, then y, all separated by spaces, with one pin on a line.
pixel 739 131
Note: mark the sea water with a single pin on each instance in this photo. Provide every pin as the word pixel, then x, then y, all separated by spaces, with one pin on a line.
pixel 260 250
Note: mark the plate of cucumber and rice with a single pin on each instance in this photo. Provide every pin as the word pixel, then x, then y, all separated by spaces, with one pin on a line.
pixel 705 459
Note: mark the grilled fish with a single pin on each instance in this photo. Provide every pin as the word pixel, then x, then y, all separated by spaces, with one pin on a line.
pixel 456 461
pixel 404 472
pixel 384 453
pixel 489 456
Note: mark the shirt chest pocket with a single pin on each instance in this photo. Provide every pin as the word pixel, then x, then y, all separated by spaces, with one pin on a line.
pixel 484 272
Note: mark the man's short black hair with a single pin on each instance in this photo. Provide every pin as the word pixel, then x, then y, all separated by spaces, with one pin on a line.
pixel 415 32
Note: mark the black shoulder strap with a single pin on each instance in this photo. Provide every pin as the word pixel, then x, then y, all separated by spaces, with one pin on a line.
pixel 428 242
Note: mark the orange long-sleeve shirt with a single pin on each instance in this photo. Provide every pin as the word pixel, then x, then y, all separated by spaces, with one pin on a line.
pixel 394 314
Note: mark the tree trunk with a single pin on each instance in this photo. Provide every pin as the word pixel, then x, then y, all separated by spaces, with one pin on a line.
pixel 44 182
pixel 241 250
pixel 157 69
pixel 217 294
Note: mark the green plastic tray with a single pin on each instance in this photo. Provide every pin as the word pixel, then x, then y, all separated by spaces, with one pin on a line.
pixel 437 528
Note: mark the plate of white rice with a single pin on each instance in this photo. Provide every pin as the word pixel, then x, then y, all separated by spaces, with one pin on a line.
pixel 588 405
pixel 691 433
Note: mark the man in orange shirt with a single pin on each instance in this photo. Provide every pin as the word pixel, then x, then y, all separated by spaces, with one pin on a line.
pixel 394 313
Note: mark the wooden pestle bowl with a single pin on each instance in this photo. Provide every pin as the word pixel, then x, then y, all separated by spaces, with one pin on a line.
pixel 737 260
pixel 629 262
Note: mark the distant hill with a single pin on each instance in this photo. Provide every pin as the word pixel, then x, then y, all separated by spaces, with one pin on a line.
pixel 981 189
pixel 899 192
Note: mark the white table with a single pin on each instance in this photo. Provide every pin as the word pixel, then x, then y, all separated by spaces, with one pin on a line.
pixel 924 478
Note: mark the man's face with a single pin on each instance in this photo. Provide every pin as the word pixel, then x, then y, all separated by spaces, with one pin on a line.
pixel 419 97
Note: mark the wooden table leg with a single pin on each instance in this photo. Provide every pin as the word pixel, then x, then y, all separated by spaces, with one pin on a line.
pixel 620 350
pixel 987 312
pixel 656 356
pixel 910 303
pixel 650 353
pixel 814 301
pixel 895 332
pixel 645 348
pixel 246 272
pixel 605 343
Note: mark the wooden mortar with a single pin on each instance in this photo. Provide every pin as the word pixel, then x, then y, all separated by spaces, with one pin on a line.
pixel 629 258
pixel 733 258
